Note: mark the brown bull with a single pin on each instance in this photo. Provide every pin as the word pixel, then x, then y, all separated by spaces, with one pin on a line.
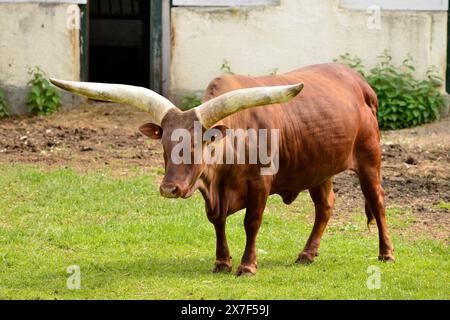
pixel 328 128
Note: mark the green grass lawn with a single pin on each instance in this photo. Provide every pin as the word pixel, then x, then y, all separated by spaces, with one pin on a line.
pixel 130 243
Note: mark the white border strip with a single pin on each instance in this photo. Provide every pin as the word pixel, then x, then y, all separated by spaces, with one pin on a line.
pixel 408 5
pixel 45 1
pixel 224 3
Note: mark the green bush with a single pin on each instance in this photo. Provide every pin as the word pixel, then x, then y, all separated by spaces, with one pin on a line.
pixel 403 100
pixel 190 101
pixel 225 67
pixel 3 106
pixel 43 99
pixel 353 62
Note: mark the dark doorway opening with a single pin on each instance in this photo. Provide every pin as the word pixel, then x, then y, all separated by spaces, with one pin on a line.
pixel 119 41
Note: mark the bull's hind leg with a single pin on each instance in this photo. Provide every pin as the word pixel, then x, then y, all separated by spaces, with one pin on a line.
pixel 370 180
pixel 323 198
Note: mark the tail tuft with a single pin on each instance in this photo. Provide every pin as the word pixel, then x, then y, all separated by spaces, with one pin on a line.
pixel 369 215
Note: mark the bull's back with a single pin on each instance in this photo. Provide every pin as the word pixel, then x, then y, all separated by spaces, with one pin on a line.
pixel 318 128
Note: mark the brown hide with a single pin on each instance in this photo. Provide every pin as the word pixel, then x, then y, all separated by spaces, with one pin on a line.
pixel 331 126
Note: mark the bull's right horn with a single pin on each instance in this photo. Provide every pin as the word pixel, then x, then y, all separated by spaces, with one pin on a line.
pixel 231 102
pixel 142 98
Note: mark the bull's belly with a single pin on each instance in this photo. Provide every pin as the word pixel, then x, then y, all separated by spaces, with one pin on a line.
pixel 290 180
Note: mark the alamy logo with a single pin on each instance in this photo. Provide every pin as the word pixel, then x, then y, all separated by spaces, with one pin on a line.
pixel 239 146
pixel 74 281
pixel 73 19
pixel 374 280
pixel 374 19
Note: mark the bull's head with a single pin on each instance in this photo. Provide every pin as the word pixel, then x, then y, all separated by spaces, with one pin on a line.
pixel 181 179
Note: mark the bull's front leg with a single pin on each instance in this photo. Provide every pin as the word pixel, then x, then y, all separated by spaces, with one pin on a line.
pixel 223 259
pixel 252 222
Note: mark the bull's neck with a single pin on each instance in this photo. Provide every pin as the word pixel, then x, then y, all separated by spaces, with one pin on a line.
pixel 209 187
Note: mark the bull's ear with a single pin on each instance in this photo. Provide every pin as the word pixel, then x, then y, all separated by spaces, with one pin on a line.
pixel 151 130
pixel 215 133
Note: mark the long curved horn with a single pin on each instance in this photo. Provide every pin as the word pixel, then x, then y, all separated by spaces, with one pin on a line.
pixel 142 98
pixel 222 106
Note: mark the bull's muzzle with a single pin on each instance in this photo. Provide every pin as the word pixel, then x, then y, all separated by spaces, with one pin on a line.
pixel 170 190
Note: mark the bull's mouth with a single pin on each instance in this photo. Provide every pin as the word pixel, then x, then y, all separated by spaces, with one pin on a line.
pixel 192 188
pixel 174 190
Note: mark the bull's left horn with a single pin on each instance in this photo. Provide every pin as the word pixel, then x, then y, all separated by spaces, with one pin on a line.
pixel 222 106
pixel 139 97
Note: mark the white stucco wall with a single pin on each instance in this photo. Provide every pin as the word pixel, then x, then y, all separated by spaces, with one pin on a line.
pixel 35 34
pixel 295 33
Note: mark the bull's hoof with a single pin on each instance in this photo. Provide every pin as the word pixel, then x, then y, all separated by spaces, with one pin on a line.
pixel 386 258
pixel 306 258
pixel 222 267
pixel 246 271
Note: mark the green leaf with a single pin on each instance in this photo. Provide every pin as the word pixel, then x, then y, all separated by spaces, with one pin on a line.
pixel 36 90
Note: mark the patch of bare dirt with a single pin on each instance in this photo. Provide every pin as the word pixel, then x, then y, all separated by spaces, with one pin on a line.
pixel 415 168
pixel 91 135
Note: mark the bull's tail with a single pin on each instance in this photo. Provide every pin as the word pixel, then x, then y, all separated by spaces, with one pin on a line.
pixel 370 96
pixel 371 99
pixel 369 215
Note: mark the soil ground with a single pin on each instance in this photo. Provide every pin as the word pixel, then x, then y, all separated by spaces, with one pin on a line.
pixel 415 168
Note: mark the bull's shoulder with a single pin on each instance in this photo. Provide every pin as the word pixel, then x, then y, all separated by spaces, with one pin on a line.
pixel 226 83
pixel 329 69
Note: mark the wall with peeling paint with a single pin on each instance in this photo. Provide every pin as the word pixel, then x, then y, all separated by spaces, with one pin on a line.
pixel 33 34
pixel 295 33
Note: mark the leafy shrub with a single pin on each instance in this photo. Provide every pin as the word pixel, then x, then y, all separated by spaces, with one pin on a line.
pixel 353 62
pixel 273 72
pixel 190 101
pixel 403 100
pixel 225 67
pixel 42 99
pixel 3 106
